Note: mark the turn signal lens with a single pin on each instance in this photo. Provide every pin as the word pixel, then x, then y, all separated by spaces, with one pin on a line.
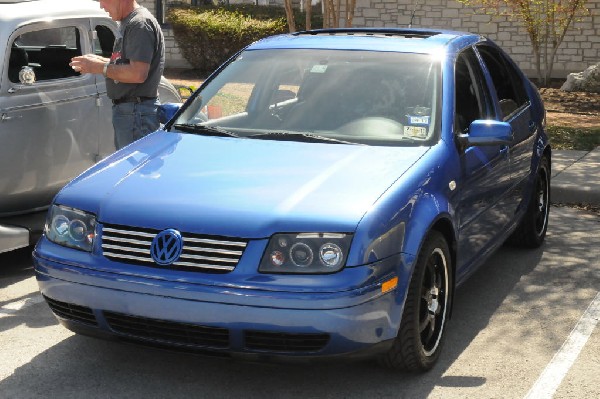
pixel 389 285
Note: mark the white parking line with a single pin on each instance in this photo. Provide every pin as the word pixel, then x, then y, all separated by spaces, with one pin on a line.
pixel 13 307
pixel 557 369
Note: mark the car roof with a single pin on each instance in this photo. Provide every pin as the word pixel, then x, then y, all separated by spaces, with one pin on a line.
pixel 17 13
pixel 374 39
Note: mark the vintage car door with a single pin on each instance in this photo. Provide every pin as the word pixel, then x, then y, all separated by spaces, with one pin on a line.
pixel 104 31
pixel 50 125
pixel 485 174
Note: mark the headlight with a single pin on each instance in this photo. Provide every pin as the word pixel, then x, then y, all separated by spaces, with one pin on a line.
pixel 306 253
pixel 70 227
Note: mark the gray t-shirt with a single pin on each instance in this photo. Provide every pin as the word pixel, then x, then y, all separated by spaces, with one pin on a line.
pixel 141 40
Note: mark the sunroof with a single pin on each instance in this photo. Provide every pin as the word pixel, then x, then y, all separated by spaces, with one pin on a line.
pixel 409 34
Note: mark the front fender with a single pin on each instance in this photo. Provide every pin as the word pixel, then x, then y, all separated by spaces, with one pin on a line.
pixel 402 217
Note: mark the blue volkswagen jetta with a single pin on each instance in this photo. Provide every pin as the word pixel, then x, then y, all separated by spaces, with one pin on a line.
pixel 323 193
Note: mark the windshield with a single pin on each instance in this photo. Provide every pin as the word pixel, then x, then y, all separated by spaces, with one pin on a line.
pixel 337 96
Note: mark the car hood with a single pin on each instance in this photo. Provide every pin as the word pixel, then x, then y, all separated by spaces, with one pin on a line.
pixel 238 187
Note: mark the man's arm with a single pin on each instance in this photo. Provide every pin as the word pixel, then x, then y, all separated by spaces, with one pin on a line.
pixel 134 72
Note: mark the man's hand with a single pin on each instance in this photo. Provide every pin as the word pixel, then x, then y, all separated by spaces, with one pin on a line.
pixel 134 72
pixel 88 63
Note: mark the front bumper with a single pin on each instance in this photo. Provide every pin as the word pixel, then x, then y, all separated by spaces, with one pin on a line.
pixel 232 320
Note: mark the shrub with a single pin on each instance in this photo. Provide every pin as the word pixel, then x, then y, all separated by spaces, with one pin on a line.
pixel 208 36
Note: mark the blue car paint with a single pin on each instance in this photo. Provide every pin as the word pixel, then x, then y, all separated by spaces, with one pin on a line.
pixel 273 189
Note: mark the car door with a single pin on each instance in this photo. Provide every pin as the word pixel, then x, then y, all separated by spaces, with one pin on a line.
pixel 512 106
pixel 485 174
pixel 104 31
pixel 49 127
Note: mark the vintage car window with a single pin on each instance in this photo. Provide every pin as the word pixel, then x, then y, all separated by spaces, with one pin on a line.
pixel 471 95
pixel 103 41
pixel 507 82
pixel 46 52
pixel 366 97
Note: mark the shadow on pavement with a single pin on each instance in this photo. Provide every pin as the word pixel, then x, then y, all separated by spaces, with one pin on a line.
pixel 80 366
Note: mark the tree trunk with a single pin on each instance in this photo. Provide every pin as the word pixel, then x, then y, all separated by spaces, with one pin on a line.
pixel 289 13
pixel 308 8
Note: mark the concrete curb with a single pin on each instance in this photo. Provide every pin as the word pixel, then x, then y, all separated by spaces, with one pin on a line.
pixel 576 177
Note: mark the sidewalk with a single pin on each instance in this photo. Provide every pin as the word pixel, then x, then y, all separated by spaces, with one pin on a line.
pixel 576 177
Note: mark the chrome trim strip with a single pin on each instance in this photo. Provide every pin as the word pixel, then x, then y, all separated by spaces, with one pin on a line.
pixel 129 232
pixel 129 249
pixel 212 250
pixel 127 240
pixel 124 256
pixel 200 257
pixel 214 242
pixel 204 266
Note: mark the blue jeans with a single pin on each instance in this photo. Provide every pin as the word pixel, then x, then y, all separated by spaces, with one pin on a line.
pixel 133 121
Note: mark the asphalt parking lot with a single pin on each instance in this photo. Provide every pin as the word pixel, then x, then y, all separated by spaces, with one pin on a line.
pixel 525 325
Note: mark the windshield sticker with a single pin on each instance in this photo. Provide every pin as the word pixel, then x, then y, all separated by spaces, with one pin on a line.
pixel 415 132
pixel 418 120
pixel 318 69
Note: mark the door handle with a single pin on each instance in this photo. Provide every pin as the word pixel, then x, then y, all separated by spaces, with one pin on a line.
pixel 532 126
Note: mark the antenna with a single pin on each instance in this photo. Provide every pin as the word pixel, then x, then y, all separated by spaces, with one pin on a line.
pixel 413 13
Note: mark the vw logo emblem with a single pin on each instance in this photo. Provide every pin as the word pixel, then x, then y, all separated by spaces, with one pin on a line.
pixel 166 247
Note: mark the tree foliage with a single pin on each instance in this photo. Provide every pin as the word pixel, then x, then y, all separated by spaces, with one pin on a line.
pixel 546 22
pixel 332 13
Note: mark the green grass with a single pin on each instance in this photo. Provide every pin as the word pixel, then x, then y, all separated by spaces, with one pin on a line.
pixel 570 138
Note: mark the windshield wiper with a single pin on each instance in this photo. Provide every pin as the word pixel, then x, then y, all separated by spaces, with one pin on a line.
pixel 295 136
pixel 203 129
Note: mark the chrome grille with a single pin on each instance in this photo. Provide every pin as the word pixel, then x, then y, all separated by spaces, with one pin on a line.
pixel 208 253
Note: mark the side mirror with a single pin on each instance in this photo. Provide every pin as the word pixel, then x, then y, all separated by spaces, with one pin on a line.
pixel 487 132
pixel 167 111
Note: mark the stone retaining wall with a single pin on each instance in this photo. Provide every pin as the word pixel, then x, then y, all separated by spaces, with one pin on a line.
pixel 579 50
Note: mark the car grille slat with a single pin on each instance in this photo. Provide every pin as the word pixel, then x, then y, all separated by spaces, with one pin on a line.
pixel 128 257
pixel 285 342
pixel 73 312
pixel 168 331
pixel 200 253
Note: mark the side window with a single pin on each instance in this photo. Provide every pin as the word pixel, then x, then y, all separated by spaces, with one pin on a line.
pixel 47 52
pixel 507 81
pixel 104 40
pixel 471 97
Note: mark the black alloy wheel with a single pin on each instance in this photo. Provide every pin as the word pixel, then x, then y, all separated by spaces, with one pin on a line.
pixel 532 229
pixel 420 337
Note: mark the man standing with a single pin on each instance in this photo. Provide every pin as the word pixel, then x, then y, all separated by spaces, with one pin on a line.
pixel 133 71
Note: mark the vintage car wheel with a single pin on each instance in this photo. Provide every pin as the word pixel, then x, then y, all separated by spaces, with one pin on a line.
pixel 167 93
pixel 420 337
pixel 532 230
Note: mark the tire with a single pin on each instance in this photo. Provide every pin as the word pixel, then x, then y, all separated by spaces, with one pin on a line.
pixel 420 337
pixel 532 229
